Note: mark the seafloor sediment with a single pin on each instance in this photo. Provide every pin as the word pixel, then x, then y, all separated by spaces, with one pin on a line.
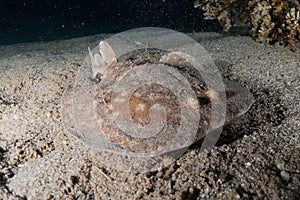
pixel 258 155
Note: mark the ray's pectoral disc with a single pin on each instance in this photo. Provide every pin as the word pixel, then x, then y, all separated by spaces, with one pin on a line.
pixel 149 102
pixel 148 118
pixel 143 114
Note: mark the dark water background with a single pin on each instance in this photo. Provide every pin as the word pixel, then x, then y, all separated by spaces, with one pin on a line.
pixel 44 20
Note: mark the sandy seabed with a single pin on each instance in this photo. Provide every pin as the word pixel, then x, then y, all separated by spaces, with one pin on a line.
pixel 257 156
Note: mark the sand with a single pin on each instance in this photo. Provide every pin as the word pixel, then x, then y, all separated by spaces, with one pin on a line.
pixel 257 156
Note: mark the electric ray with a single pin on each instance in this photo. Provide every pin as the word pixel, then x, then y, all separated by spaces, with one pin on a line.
pixel 141 115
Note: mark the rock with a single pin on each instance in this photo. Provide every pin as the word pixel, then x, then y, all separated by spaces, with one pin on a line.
pixel 284 175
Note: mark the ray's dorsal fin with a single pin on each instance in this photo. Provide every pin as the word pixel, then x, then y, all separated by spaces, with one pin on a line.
pixel 99 62
pixel 107 53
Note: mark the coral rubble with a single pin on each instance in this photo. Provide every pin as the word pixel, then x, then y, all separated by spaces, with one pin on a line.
pixel 269 21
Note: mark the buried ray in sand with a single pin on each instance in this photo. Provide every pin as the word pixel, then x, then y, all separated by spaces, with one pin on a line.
pixel 142 116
